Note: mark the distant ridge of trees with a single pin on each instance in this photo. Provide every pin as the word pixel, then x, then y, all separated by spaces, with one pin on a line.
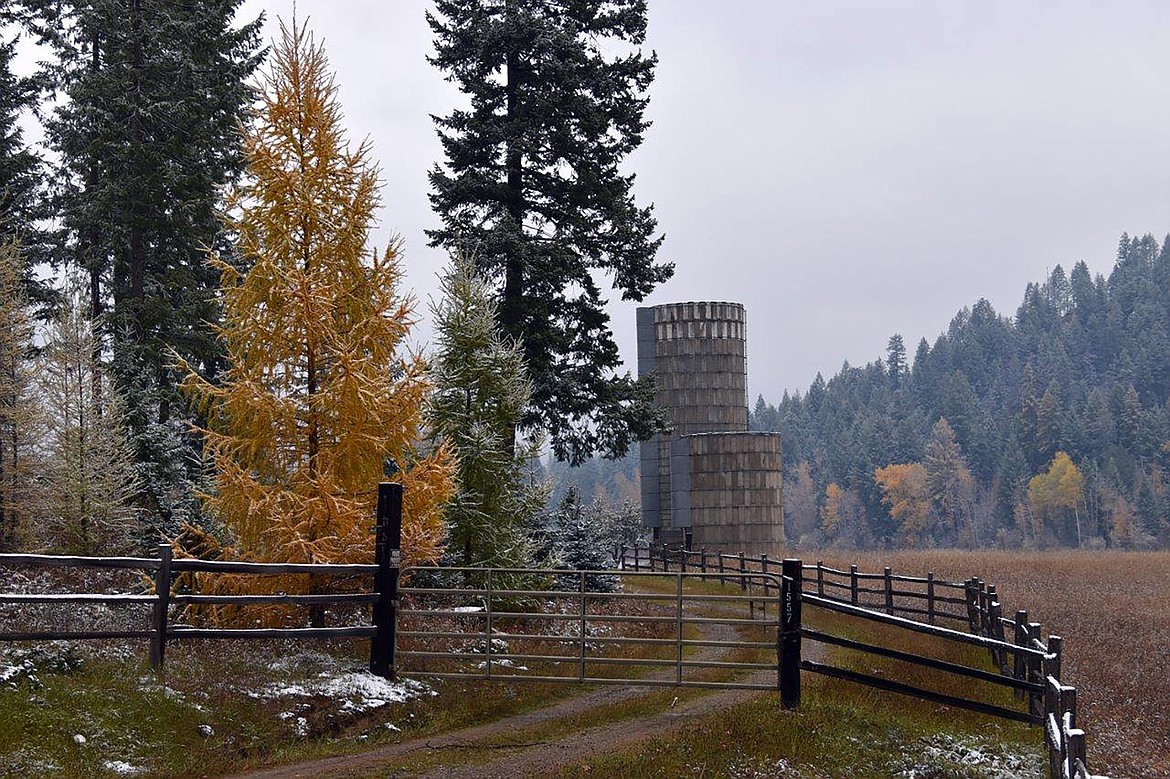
pixel 1049 428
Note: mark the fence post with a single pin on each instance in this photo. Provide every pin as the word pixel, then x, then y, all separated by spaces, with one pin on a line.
pixel 888 574
pixel 722 578
pixel 1000 636
pixel 742 571
pixel 1055 645
pixel 703 561
pixel 853 585
pixel 388 559
pixel 1076 751
pixel 972 605
pixel 764 570
pixel 162 603
pixel 982 607
pixel 1052 705
pixel 820 578
pixel 930 597
pixel 1019 667
pixel 789 635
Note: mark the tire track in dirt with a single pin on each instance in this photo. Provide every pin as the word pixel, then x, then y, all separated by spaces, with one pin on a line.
pixel 534 758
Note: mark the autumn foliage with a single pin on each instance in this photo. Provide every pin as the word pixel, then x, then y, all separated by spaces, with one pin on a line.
pixel 322 397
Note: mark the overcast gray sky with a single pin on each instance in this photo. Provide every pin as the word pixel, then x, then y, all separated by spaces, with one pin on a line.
pixel 847 170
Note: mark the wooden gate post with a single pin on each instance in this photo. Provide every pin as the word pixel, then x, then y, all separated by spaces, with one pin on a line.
pixel 888 576
pixel 789 634
pixel 388 558
pixel 930 597
pixel 162 592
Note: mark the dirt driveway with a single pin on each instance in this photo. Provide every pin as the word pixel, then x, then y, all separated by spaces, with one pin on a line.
pixel 487 750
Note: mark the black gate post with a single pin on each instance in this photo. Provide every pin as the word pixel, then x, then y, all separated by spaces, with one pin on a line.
pixel 790 634
pixel 162 593
pixel 388 558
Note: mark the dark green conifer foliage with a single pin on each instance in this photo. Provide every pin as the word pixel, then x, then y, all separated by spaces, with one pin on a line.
pixel 1083 368
pixel 532 184
pixel 147 137
pixel 480 390
pixel 22 191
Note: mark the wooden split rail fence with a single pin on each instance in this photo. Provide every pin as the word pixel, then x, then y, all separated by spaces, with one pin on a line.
pixel 165 569
pixel 1019 657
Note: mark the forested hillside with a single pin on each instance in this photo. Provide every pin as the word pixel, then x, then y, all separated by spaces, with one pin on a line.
pixel 1048 428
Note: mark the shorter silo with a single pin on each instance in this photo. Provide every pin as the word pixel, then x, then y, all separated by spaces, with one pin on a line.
pixel 727 489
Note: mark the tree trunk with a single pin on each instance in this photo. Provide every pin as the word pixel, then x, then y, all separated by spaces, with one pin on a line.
pixel 512 301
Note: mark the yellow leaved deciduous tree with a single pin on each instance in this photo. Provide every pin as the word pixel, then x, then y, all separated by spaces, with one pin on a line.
pixel 1058 490
pixel 322 396
pixel 831 511
pixel 905 492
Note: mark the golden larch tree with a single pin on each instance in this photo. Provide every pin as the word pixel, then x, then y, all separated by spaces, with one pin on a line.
pixel 18 412
pixel 322 396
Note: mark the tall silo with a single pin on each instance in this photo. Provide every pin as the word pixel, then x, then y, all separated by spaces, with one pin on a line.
pixel 697 353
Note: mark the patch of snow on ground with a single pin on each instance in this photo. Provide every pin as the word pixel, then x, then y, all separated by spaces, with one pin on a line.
pixel 358 691
pixel 926 757
pixel 121 767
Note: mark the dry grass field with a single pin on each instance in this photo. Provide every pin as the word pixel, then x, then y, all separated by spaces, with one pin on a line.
pixel 1113 610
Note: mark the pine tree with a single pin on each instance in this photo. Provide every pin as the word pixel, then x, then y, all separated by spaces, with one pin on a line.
pixel 480 392
pixel 321 399
pixel 147 138
pixel 22 197
pixel 580 544
pixel 532 183
pixel 896 357
pixel 949 483
pixel 89 479
pixel 18 414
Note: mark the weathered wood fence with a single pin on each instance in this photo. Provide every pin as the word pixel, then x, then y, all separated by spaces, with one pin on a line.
pixel 1017 653
pixel 165 569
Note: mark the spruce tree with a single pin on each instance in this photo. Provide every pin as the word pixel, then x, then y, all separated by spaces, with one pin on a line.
pixel 480 392
pixel 152 96
pixel 22 191
pixel 532 183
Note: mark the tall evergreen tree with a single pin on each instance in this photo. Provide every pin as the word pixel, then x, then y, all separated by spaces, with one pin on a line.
pixel 22 190
pixel 480 392
pixel 153 94
pixel 532 183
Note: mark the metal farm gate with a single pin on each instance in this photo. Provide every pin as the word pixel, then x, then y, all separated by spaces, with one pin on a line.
pixel 599 627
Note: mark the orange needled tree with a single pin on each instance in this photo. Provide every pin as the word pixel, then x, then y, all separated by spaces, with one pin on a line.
pixel 322 398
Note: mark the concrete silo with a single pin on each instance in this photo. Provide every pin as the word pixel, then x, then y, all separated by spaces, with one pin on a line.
pixel 708 482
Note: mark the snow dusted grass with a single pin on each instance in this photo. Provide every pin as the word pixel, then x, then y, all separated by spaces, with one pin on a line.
pixel 97 711
pixel 1113 611
pixel 844 730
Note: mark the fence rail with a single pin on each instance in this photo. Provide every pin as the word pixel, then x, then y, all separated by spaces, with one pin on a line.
pixel 164 570
pixel 1021 659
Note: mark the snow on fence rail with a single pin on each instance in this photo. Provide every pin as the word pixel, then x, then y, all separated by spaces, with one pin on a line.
pixel 164 569
pixel 1023 662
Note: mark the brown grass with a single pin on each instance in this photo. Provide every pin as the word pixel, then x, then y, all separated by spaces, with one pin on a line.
pixel 1113 611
